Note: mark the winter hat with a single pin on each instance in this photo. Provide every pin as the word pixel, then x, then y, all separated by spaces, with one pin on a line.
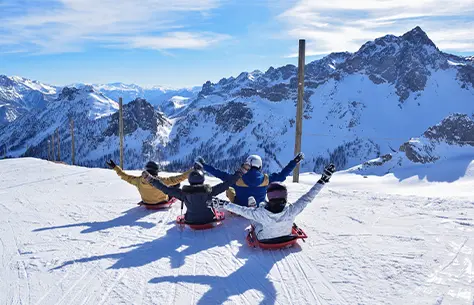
pixel 152 168
pixel 277 190
pixel 196 177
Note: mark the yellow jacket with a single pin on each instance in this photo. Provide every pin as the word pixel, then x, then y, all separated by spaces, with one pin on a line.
pixel 148 193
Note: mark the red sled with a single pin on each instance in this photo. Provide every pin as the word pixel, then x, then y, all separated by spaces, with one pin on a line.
pixel 276 243
pixel 158 206
pixel 202 226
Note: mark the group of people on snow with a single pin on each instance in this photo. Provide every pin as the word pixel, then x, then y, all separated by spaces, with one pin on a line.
pixel 247 189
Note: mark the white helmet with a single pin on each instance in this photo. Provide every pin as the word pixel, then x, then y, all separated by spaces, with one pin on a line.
pixel 254 161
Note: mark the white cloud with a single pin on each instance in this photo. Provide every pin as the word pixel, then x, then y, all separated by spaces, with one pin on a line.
pixel 68 25
pixel 177 40
pixel 344 25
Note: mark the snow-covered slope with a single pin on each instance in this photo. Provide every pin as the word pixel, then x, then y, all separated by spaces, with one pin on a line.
pixel 19 96
pixel 72 235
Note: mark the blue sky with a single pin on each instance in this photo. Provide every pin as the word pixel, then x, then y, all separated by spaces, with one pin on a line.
pixel 187 42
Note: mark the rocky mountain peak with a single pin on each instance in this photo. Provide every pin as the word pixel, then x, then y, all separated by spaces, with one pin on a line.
pixel 68 93
pixel 139 113
pixel 418 37
pixel 5 81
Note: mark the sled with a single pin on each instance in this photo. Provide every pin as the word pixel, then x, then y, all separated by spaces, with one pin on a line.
pixel 158 206
pixel 220 216
pixel 276 243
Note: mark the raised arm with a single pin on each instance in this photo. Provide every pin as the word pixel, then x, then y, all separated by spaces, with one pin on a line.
pixel 286 171
pixel 307 198
pixel 175 179
pixel 257 214
pixel 222 187
pixel 171 191
pixel 212 170
pixel 133 180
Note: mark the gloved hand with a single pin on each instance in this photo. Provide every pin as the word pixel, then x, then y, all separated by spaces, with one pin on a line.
pixel 111 164
pixel 244 169
pixel 146 175
pixel 198 166
pixel 200 160
pixel 299 157
pixel 327 173
pixel 216 203
pixel 251 202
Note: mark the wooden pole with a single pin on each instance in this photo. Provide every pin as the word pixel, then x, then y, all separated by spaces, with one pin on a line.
pixel 299 107
pixel 53 154
pixel 73 152
pixel 121 130
pixel 59 144
pixel 49 150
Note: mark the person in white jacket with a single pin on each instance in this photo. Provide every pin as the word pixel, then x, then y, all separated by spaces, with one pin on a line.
pixel 275 218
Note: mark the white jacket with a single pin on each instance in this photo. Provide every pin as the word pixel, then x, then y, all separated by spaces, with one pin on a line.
pixel 269 225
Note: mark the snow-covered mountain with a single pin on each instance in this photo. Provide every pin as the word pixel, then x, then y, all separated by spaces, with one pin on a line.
pixel 160 97
pixel 358 106
pixel 19 96
pixel 449 142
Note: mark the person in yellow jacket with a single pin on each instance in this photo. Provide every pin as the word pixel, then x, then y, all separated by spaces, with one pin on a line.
pixel 149 194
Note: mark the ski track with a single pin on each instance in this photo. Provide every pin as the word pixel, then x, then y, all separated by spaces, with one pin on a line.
pixel 363 248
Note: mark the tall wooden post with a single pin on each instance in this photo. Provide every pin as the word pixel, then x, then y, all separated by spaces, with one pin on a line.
pixel 299 107
pixel 49 150
pixel 73 152
pixel 59 144
pixel 121 130
pixel 53 154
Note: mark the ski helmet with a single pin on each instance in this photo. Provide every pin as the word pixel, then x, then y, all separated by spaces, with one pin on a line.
pixel 196 177
pixel 152 168
pixel 254 161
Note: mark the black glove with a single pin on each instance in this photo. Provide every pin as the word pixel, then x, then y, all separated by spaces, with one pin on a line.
pixel 111 164
pixel 200 160
pixel 198 166
pixel 244 169
pixel 327 173
pixel 299 157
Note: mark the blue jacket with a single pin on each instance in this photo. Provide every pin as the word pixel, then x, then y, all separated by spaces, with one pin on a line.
pixel 253 183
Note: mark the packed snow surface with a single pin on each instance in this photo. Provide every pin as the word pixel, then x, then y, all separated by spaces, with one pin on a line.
pixel 72 235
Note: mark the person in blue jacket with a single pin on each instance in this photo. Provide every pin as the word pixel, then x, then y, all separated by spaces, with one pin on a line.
pixel 254 183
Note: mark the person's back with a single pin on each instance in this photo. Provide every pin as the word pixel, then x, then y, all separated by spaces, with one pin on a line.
pixel 148 193
pixel 254 183
pixel 196 195
pixel 275 218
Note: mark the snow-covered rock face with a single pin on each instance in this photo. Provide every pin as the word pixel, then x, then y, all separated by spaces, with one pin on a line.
pixel 19 96
pixel 453 135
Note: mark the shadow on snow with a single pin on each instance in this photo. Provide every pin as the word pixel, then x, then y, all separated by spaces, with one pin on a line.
pixel 130 218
